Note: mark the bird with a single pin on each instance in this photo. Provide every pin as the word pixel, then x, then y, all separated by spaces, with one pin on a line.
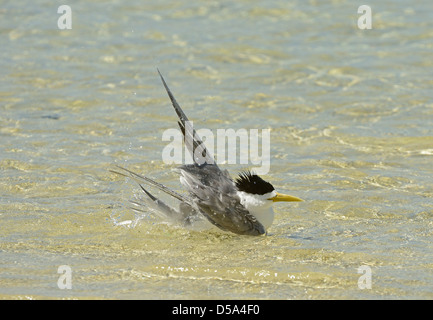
pixel 241 206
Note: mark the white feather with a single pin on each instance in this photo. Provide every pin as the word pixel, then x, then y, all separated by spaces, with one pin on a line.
pixel 259 206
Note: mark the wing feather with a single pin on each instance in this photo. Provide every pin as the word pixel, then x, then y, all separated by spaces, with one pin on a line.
pixel 194 144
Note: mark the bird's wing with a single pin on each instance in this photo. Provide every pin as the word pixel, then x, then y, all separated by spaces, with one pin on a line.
pixel 194 144
pixel 215 194
pixel 139 178
pixel 186 213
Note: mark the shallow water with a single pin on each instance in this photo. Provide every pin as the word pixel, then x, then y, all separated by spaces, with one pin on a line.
pixel 351 113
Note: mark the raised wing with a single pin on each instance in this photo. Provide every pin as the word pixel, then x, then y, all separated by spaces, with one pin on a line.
pixel 193 142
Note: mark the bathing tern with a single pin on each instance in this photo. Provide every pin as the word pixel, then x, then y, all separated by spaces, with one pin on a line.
pixel 241 206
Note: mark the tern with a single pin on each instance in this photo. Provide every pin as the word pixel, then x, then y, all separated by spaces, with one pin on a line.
pixel 242 206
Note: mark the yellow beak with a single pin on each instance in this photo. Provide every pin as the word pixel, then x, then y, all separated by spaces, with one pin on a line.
pixel 284 197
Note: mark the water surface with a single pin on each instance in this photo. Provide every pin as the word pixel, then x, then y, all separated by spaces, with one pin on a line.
pixel 351 114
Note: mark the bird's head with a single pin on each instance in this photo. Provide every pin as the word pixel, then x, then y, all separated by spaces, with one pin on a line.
pixel 258 195
pixel 251 184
